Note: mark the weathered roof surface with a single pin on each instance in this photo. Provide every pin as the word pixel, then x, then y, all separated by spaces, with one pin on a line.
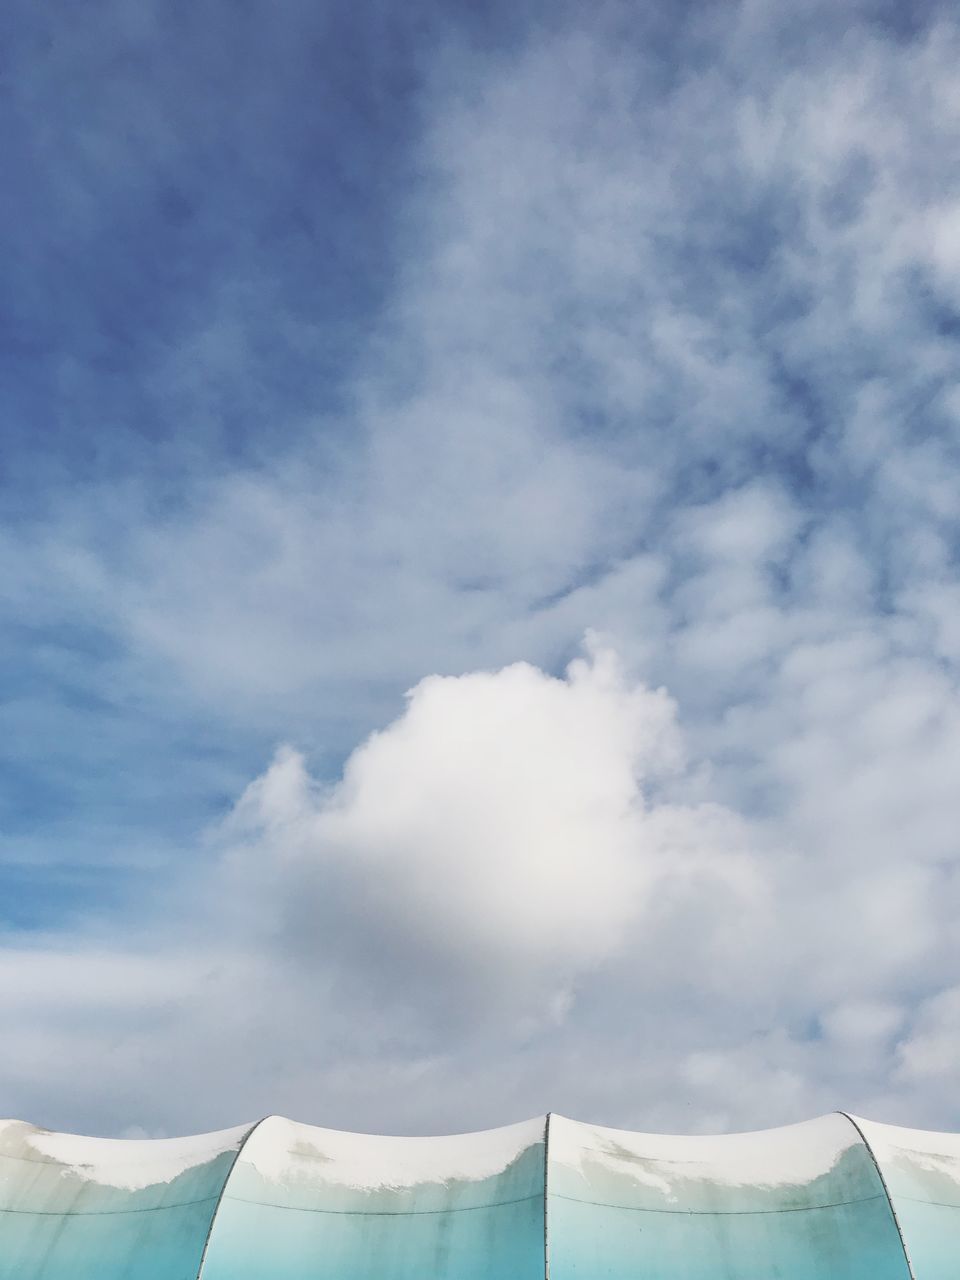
pixel 312 1202
pixel 834 1198
pixel 96 1208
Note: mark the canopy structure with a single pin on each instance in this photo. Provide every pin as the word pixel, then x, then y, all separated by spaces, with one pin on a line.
pixel 550 1199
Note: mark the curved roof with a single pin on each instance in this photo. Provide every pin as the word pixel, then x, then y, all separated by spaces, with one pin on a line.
pixel 837 1198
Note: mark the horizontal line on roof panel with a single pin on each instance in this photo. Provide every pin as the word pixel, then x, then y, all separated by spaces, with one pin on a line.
pixel 717 1213
pixel 105 1213
pixel 384 1213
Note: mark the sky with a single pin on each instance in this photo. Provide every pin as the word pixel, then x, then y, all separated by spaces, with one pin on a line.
pixel 479 609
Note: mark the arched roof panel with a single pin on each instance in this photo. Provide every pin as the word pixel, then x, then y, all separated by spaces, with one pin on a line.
pixel 74 1208
pixel 310 1202
pixel 922 1172
pixel 803 1202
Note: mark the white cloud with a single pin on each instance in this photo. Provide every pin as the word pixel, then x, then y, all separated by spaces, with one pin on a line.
pixel 928 1056
pixel 506 833
pixel 862 1025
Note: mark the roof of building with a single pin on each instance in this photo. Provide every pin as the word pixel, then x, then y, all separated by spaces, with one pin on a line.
pixel 837 1197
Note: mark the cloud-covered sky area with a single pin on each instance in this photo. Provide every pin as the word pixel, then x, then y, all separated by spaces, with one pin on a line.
pixel 479 502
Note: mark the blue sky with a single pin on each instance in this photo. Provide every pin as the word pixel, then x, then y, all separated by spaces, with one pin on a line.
pixel 364 369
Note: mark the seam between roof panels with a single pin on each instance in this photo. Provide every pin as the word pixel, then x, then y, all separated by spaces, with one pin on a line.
pixel 216 1208
pixel 886 1192
pixel 546 1192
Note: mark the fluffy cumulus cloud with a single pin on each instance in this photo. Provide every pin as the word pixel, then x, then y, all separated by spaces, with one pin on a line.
pixel 652 336
pixel 509 832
